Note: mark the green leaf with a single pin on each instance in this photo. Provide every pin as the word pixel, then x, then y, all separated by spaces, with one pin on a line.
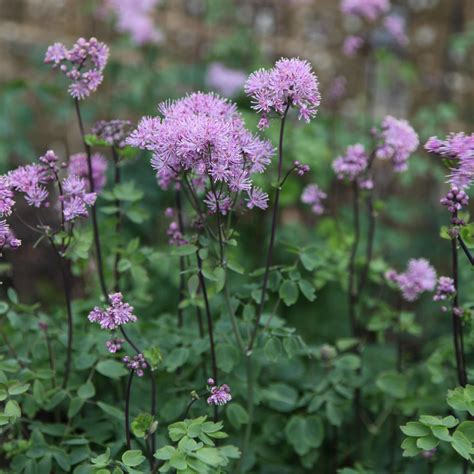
pixel 309 261
pixel 74 406
pixel 111 368
pixel 467 428
pixel 304 433
pixel 142 424
pixel 193 285
pixel 289 292
pixel 127 192
pixel 18 388
pixel 409 447
pixel 427 442
pixel 183 250
pixel 112 411
pixel 415 428
pixel 273 349
pixel 12 409
pixel 165 453
pixel 393 384
pixel 178 461
pixel 461 444
pixel 228 357
pixel 153 357
pixel 176 358
pixel 86 391
pixel 307 289
pixel 237 415
pixel 441 432
pixel 281 397
pixel 209 456
pixel 133 457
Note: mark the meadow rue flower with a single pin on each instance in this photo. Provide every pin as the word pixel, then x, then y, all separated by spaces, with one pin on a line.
pixel 291 82
pixel 371 10
pixel 301 168
pixel 82 64
pixel 397 141
pixel 226 81
pixel 396 28
pixel 352 164
pixel 135 17
pixel 115 344
pixel 136 364
pixel 75 199
pixel 78 166
pixel 459 149
pixel 455 200
pixel 204 137
pixel 175 235
pixel 114 132
pixel 352 44
pixel 30 180
pixel 445 289
pixel 419 277
pixel 257 198
pixel 7 238
pixel 6 197
pixel 220 395
pixel 115 315
pixel 313 196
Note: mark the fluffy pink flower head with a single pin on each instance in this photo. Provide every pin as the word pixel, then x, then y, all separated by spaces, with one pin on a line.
pixel 396 28
pixel 204 137
pixel 7 238
pixel 220 395
pixel 291 82
pixel 114 132
pixel 30 180
pixel 314 196
pixel 459 149
pixel 75 199
pixel 352 165
pixel 78 166
pixel 6 197
pixel 397 142
pixel 352 44
pixel 135 17
pixel 257 198
pixel 83 64
pixel 226 81
pixel 445 289
pixel 419 277
pixel 371 10
pixel 115 315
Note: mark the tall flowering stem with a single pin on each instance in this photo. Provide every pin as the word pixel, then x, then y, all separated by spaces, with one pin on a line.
pixel 118 215
pixel 127 409
pixel 352 285
pixel 272 232
pixel 181 291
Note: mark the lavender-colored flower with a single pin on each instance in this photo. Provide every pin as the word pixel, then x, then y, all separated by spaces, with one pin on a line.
pixel 396 28
pixel 459 149
pixel 291 82
pixel 205 137
pixel 226 81
pixel 314 196
pixel 352 165
pixel 136 364
pixel 220 395
pixel 25 178
pixel 75 199
pixel 398 141
pixel 114 132
pixel 419 277
pixel 7 238
pixel 78 167
pixel 83 64
pixel 455 200
pixel 50 160
pixel 6 197
pixel 257 198
pixel 352 44
pixel 371 10
pixel 36 196
pixel 445 289
pixel 135 17
pixel 115 315
pixel 175 235
pixel 301 168
pixel 115 344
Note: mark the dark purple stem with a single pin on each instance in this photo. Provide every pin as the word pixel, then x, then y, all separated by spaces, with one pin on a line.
pixel 272 234
pixel 181 294
pixel 118 215
pixel 127 409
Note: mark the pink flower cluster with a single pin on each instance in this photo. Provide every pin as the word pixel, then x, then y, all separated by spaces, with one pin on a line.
pixel 395 26
pixel 226 81
pixel 115 344
pixel 291 82
pixel 115 315
pixel 75 199
pixel 352 44
pixel 419 277
pixel 220 395
pixel 78 166
pixel 398 141
pixel 313 196
pixel 459 148
pixel 175 235
pixel 83 64
pixel 202 139
pixel 371 10
pixel 455 200
pixel 445 289
pixel 7 238
pixel 136 364
pixel 135 17
pixel 352 164
pixel 30 180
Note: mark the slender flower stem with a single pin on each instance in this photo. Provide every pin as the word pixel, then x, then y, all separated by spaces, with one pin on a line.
pixel 272 234
pixel 457 323
pixel 118 215
pixel 209 324
pixel 127 409
pixel 399 335
pixel 50 356
pixel 93 208
pixel 370 245
pixel 181 291
pixel 352 287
